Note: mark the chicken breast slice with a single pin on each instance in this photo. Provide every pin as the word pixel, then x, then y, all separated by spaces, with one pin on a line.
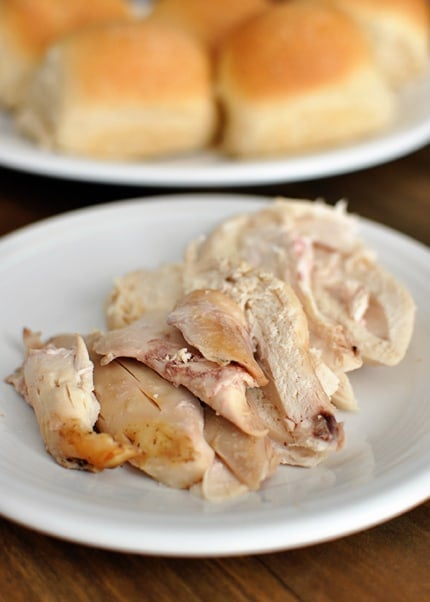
pixel 219 484
pixel 250 459
pixel 162 422
pixel 214 324
pixel 161 347
pixel 279 329
pixel 376 309
pixel 57 382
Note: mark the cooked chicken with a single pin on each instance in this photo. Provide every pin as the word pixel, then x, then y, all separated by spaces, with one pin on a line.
pixel 250 459
pixel 219 483
pixel 161 347
pixel 143 290
pixel 57 382
pixel 280 240
pixel 214 324
pixel 372 306
pixel 164 423
pixel 279 329
pixel 355 310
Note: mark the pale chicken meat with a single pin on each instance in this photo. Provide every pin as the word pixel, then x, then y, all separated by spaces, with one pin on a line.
pixel 219 484
pixel 141 291
pixel 250 459
pixel 57 382
pixel 214 324
pixel 279 329
pixel 279 240
pixel 355 310
pixel 162 422
pixel 162 347
pixel 372 306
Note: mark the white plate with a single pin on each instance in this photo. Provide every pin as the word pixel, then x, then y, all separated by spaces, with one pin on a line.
pixel 410 131
pixel 55 276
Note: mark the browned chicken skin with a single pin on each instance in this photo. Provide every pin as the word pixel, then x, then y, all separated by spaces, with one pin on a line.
pixel 57 382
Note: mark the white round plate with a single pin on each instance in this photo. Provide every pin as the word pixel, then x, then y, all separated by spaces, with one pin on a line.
pixel 410 131
pixel 55 276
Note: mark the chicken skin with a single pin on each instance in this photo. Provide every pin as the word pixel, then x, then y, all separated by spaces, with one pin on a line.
pixel 57 382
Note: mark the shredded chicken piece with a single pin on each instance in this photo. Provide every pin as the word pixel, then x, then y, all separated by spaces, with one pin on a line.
pixel 57 382
pixel 151 341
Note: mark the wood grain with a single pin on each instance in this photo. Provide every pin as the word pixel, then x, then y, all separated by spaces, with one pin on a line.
pixel 388 562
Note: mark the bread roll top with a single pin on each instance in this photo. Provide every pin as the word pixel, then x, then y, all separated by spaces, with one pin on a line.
pixel 131 62
pixel 293 49
pixel 413 11
pixel 36 24
pixel 399 33
pixel 210 21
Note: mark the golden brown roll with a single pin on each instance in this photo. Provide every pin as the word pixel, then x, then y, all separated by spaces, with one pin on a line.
pixel 399 31
pixel 209 21
pixel 28 27
pixel 297 77
pixel 122 91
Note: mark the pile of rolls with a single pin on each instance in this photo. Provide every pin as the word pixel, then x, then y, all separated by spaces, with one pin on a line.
pixel 249 78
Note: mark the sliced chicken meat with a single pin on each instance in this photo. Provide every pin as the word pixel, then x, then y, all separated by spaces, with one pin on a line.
pixel 141 291
pixel 280 240
pixel 355 309
pixel 372 306
pixel 57 382
pixel 219 484
pixel 162 422
pixel 214 324
pixel 163 348
pixel 279 329
pixel 250 459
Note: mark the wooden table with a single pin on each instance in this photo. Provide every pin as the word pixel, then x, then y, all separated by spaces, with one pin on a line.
pixel 390 562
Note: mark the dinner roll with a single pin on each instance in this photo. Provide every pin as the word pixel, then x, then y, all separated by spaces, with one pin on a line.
pixel 122 90
pixel 399 31
pixel 299 76
pixel 209 21
pixel 28 27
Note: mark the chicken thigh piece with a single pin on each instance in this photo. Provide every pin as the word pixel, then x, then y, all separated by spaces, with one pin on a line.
pixel 161 347
pixel 162 422
pixel 57 382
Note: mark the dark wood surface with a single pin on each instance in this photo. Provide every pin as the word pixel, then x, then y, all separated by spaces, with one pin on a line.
pixel 390 562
